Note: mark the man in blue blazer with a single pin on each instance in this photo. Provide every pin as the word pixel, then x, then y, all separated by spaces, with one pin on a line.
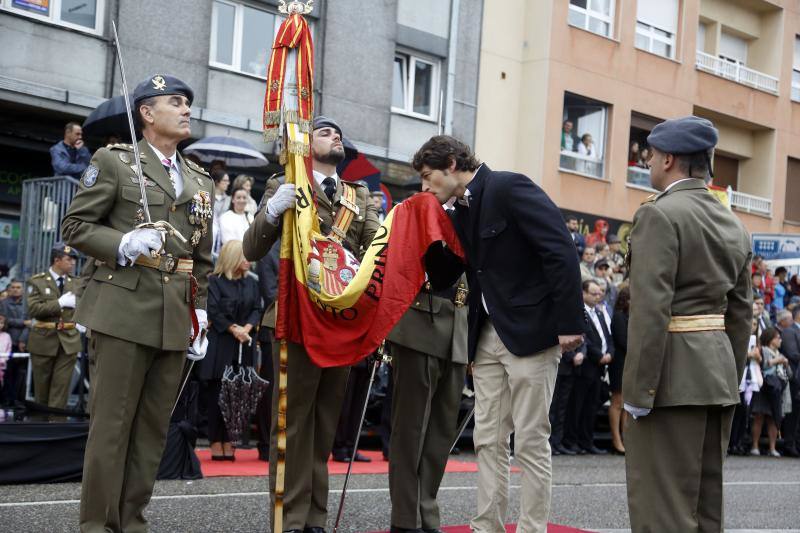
pixel 525 308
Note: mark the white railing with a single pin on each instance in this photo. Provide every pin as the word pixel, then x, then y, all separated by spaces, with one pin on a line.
pixel 640 177
pixel 574 162
pixel 750 203
pixel 736 72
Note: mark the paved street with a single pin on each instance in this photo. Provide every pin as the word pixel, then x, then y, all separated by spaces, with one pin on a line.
pixel 589 492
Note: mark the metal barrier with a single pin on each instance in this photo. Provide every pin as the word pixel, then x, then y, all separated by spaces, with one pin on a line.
pixel 44 203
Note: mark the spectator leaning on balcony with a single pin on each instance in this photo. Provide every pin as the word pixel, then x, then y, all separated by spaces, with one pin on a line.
pixel 567 138
pixel 633 154
pixel 70 157
pixel 644 155
pixel 586 146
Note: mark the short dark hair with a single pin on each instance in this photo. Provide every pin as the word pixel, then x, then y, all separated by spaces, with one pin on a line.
pixel 233 193
pixel 780 270
pixel 218 174
pixel 15 280
pixel 441 150
pixel 756 273
pixel 623 302
pixel 768 334
pixel 137 113
pixel 695 165
pixel 56 254
pixel 70 125
pixel 570 218
pixel 588 283
pixel 795 312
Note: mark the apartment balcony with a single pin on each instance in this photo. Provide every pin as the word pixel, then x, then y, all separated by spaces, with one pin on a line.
pixel 580 164
pixel 750 203
pixel 736 72
pixel 640 177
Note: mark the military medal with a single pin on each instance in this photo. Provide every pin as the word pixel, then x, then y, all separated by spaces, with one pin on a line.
pixel 461 295
pixel 200 211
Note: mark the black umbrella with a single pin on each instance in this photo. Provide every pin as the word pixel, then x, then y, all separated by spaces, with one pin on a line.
pixel 109 118
pixel 239 394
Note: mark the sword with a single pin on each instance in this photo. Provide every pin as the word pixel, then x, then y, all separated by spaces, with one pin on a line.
pixel 188 374
pixel 381 357
pixel 161 225
pixel 463 426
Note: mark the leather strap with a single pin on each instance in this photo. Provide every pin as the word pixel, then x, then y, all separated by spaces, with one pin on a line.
pixel 166 263
pixel 345 217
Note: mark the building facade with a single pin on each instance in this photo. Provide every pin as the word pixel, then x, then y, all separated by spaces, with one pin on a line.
pixel 392 73
pixel 570 89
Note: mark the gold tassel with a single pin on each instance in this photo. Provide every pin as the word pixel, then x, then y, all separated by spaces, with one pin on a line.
pixel 298 147
pixel 280 468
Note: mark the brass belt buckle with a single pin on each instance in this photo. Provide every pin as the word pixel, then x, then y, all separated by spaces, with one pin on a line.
pixel 60 325
pixel 169 263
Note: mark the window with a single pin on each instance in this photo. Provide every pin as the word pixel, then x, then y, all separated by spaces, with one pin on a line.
pixel 792 206
pixel 656 26
pixel 241 37
pixel 415 86
pixel 639 151
pixel 86 15
pixel 726 171
pixel 732 48
pixel 702 30
pixel 796 70
pixel 583 135
pixel 596 16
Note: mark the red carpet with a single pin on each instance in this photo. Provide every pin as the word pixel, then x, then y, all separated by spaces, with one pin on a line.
pixel 247 464
pixel 511 528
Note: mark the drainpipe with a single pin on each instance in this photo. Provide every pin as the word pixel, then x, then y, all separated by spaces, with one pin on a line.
pixel 455 6
pixel 111 63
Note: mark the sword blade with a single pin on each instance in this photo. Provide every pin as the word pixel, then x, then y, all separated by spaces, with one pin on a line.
pixel 129 112
pixel 183 386
pixel 462 427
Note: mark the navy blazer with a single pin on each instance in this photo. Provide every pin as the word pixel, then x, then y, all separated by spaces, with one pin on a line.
pixel 522 260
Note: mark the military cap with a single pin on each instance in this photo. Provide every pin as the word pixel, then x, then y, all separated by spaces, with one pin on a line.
pixel 685 135
pixel 612 239
pixel 325 122
pixel 159 85
pixel 602 263
pixel 60 249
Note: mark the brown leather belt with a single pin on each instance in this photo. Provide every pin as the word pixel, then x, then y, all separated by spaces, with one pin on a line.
pixel 166 263
pixel 54 325
pixel 686 324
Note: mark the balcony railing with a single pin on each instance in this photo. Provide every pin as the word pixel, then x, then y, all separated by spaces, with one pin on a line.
pixel 640 177
pixel 750 203
pixel 736 72
pixel 574 162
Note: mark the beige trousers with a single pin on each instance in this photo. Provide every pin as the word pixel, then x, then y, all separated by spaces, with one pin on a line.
pixel 512 394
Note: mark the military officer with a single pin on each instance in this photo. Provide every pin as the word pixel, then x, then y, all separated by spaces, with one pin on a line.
pixel 139 304
pixel 691 306
pixel 315 394
pixel 429 358
pixel 54 340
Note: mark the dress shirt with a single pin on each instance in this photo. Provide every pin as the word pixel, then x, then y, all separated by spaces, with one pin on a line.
pixel 674 183
pixel 56 276
pixel 175 170
pixel 319 177
pixel 592 312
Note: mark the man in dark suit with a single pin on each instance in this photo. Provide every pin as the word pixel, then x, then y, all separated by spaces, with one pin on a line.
pixel 586 391
pixel 790 347
pixel 524 309
pixel 560 413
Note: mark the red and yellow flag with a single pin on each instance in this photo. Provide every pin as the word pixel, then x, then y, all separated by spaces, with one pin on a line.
pixel 338 310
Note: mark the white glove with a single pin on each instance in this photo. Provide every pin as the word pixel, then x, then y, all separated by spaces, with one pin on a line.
pixel 67 300
pixel 283 199
pixel 202 321
pixel 138 242
pixel 81 328
pixel 197 351
pixel 636 412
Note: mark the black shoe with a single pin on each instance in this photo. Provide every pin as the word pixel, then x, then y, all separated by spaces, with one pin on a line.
pixel 554 450
pixel 576 450
pixel 341 457
pixel 433 531
pixel 218 458
pixel 563 450
pixel 313 529
pixel 263 454
pixel 594 450
pixel 791 452
pixel 395 529
pixel 360 458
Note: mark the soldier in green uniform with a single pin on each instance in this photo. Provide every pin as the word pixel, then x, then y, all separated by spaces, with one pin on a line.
pixel 691 306
pixel 429 358
pixel 139 305
pixel 315 394
pixel 54 340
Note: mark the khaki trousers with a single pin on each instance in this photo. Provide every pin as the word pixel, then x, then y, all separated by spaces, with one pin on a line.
pixel 673 464
pixel 314 402
pixel 52 375
pixel 427 393
pixel 133 391
pixel 512 394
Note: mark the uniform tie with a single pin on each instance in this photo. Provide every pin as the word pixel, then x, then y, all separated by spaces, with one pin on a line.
pixel 329 186
pixel 172 173
pixel 60 283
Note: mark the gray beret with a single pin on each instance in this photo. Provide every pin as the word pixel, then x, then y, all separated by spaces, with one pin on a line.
pixel 159 85
pixel 685 135
pixel 325 122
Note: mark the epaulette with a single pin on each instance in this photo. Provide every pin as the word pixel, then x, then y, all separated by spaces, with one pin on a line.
pixel 197 168
pixel 40 275
pixel 355 184
pixel 280 176
pixel 120 146
pixel 650 199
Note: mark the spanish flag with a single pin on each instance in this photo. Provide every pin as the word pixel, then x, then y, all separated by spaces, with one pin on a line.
pixel 337 309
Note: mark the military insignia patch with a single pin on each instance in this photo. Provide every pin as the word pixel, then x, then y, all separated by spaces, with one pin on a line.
pixel 159 84
pixel 125 158
pixel 89 177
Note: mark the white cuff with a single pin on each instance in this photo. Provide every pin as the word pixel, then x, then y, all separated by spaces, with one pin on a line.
pixel 636 412
pixel 202 317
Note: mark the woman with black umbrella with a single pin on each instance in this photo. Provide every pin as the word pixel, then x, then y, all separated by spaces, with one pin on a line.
pixel 234 310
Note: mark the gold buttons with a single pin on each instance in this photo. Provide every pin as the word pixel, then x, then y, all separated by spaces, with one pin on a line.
pixel 651 392
pixel 110 276
pixel 173 208
pixel 166 279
